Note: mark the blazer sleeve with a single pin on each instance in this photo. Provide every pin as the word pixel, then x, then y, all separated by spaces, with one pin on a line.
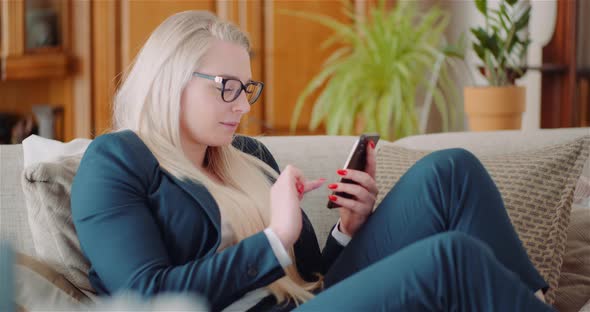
pixel 309 259
pixel 121 239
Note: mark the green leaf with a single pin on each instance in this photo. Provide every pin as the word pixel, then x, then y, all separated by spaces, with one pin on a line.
pixel 310 88
pixel 490 68
pixel 523 21
pixel 482 6
pixel 479 50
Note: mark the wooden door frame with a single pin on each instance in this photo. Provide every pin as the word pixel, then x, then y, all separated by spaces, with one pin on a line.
pixel 106 61
pixel 558 89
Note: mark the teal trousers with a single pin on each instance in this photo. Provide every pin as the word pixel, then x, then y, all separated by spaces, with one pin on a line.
pixel 441 240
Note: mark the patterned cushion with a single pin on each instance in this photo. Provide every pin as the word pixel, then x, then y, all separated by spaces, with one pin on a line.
pixel 537 187
pixel 46 187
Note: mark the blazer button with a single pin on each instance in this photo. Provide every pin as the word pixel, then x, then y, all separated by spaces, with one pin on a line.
pixel 252 272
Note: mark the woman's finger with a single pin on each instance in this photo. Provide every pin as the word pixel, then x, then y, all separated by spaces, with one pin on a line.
pixel 354 205
pixel 359 192
pixel 312 185
pixel 360 177
pixel 371 166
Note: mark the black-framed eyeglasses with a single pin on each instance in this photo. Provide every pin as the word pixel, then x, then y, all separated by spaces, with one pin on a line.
pixel 231 88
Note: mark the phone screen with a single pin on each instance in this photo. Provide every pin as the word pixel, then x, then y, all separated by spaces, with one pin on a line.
pixel 357 160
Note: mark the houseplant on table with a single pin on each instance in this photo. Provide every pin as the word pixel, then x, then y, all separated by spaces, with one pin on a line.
pixel 371 82
pixel 501 45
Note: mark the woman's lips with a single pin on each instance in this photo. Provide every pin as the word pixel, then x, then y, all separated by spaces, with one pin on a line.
pixel 231 125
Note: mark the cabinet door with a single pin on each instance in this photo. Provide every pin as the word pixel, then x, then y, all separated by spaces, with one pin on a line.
pixel 248 15
pixel 34 38
pixel 292 57
pixel 140 18
pixel 119 31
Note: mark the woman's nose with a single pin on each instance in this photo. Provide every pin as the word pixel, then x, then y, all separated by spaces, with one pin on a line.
pixel 241 104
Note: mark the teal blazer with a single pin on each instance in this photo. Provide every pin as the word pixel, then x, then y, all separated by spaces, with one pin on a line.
pixel 143 229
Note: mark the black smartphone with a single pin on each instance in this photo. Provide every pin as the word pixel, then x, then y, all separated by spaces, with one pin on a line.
pixel 357 160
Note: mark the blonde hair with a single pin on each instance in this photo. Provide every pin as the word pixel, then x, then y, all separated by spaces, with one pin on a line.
pixel 148 103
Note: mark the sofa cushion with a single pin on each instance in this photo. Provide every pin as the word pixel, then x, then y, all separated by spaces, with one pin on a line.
pixel 574 281
pixel 47 194
pixel 537 187
pixel 39 287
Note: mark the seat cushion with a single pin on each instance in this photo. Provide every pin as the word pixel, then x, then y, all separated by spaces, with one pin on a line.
pixel 537 187
pixel 14 226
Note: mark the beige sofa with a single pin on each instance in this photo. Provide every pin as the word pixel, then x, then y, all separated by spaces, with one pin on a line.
pixel 316 156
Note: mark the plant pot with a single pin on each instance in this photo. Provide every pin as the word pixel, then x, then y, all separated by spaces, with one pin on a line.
pixel 494 108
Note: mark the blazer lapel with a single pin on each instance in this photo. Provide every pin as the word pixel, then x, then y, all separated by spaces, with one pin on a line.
pixel 202 196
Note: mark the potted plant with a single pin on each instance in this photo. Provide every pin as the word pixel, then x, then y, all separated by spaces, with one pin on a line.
pixel 371 82
pixel 501 44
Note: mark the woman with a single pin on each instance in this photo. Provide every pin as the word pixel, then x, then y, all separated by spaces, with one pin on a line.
pixel 174 201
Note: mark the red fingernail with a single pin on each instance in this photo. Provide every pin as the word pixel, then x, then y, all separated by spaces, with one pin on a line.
pixel 341 172
pixel 332 198
pixel 332 186
pixel 372 144
pixel 300 188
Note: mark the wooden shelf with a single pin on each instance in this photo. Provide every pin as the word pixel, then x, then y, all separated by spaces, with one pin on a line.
pixel 34 66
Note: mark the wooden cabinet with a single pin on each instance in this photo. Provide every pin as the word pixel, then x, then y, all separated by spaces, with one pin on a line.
pixel 565 98
pixel 36 67
pixel 35 38
pixel 292 57
pixel 119 30
pixel 285 54
pixel 77 65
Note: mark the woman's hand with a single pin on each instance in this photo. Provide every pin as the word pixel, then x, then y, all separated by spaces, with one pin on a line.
pixel 354 212
pixel 285 196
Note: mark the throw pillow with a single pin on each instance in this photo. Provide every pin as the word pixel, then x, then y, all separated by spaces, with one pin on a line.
pixel 537 187
pixel 574 281
pixel 46 187
pixel 39 287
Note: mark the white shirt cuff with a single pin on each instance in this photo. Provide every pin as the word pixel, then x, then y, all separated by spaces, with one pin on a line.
pixel 340 237
pixel 278 248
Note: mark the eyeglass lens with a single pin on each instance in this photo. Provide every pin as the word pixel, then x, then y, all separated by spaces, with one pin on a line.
pixel 233 88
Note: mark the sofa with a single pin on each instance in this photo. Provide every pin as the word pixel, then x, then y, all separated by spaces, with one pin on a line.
pixel 321 156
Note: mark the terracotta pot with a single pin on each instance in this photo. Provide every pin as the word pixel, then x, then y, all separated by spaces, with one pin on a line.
pixel 494 108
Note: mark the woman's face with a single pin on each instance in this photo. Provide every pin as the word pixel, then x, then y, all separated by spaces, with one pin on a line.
pixel 205 119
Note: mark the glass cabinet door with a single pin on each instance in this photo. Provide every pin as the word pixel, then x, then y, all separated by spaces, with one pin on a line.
pixel 43 22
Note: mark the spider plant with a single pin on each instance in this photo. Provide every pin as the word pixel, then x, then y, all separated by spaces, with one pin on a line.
pixel 502 44
pixel 382 62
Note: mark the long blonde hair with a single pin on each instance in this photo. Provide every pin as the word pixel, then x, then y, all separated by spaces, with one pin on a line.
pixel 148 103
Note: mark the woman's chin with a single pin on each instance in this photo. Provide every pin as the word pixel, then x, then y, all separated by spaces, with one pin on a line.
pixel 223 140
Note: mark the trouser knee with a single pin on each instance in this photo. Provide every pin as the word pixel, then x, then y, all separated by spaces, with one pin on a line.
pixel 458 249
pixel 459 156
